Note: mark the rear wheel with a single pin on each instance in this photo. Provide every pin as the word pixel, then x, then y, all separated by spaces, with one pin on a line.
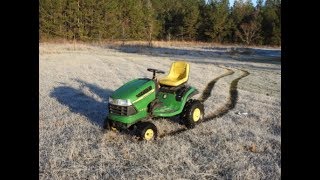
pixel 147 131
pixel 193 113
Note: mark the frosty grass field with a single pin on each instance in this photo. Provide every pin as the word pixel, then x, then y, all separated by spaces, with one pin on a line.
pixel 241 138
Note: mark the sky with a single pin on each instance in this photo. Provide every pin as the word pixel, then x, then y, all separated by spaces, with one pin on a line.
pixel 253 1
pixel 232 1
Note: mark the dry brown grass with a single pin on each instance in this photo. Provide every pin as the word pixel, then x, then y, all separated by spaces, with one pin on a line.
pixel 154 43
pixel 245 143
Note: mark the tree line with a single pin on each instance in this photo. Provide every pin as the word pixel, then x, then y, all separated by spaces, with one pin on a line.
pixel 182 20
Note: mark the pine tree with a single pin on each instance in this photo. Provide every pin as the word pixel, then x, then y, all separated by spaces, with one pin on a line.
pixel 150 22
pixel 44 19
pixel 174 21
pixel 131 18
pixel 73 25
pixel 112 20
pixel 205 20
pixel 51 19
pixel 219 21
pixel 271 23
pixel 191 19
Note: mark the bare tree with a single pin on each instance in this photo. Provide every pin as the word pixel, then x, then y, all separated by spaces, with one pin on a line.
pixel 248 32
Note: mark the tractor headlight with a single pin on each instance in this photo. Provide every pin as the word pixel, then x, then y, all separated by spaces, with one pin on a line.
pixel 120 102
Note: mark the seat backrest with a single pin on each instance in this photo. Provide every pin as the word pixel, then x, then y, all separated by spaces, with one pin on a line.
pixel 179 70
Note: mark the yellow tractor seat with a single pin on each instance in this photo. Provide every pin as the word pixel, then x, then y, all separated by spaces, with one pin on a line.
pixel 179 74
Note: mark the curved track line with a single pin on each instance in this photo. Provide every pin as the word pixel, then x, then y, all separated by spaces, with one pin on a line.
pixel 205 95
pixel 207 91
pixel 230 104
pixel 232 100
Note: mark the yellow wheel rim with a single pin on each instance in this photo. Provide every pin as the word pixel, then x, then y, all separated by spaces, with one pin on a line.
pixel 148 134
pixel 196 114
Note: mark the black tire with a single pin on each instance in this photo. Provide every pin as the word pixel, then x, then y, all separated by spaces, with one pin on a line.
pixel 107 125
pixel 147 131
pixel 190 114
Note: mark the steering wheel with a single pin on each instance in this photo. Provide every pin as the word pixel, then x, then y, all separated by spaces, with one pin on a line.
pixel 155 71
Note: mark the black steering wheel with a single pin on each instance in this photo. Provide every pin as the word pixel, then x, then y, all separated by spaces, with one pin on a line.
pixel 155 71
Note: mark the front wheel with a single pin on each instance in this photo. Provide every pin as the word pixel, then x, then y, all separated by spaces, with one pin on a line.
pixel 107 125
pixel 193 113
pixel 147 131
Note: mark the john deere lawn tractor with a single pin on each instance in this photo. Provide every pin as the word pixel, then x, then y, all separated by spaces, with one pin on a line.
pixel 139 102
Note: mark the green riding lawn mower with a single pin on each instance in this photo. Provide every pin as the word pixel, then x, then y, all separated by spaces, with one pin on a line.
pixel 135 104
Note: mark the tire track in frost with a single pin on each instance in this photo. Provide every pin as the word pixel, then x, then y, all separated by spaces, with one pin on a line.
pixel 230 104
pixel 205 95
pixel 232 100
pixel 207 91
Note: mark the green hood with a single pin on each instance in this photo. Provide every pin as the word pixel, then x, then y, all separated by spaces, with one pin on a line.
pixel 131 89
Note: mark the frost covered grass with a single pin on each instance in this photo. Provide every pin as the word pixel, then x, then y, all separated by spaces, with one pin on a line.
pixel 76 81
